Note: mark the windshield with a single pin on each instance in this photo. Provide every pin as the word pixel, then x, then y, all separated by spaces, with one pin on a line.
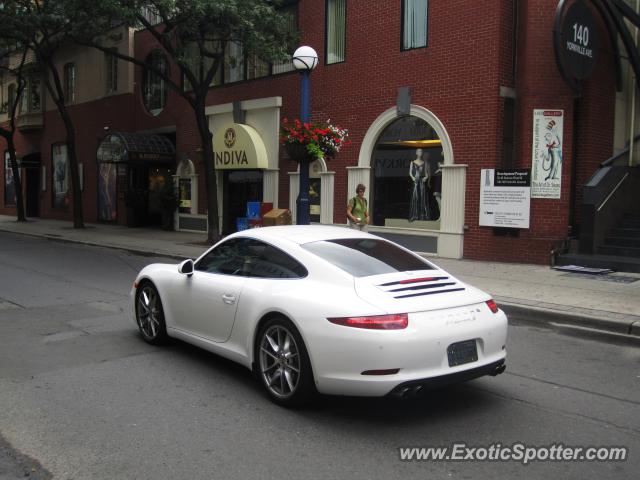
pixel 362 257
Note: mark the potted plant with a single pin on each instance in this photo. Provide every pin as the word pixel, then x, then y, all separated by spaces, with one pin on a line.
pixel 312 141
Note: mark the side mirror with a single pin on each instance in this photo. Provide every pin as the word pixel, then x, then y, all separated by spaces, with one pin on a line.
pixel 186 267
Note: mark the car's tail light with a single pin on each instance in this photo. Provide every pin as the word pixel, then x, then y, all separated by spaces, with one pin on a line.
pixel 493 306
pixel 378 322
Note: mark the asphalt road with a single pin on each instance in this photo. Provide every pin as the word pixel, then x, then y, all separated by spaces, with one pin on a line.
pixel 83 397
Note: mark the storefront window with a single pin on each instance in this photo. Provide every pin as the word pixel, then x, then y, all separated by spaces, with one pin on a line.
pixel 9 188
pixel 407 178
pixel 60 177
pixel 154 88
pixel 107 200
pixel 184 192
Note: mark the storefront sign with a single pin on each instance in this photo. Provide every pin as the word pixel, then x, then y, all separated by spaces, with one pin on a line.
pixel 237 146
pixel 505 199
pixel 546 161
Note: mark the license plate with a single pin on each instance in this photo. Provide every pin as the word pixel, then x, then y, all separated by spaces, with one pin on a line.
pixel 462 352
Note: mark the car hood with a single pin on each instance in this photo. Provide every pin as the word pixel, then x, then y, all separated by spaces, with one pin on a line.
pixel 417 291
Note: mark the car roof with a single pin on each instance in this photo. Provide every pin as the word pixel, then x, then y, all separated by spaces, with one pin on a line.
pixel 301 234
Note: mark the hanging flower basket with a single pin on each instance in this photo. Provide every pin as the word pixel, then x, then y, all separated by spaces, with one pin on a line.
pixel 298 152
pixel 311 141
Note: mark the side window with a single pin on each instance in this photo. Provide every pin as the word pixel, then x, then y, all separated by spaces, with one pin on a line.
pixel 227 258
pixel 265 261
pixel 250 258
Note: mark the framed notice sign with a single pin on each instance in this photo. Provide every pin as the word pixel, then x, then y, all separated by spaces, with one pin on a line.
pixel 505 198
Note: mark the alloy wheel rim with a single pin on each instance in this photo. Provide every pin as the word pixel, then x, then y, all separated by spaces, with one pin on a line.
pixel 280 361
pixel 148 312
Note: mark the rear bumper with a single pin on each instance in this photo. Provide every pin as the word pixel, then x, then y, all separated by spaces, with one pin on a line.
pixel 415 387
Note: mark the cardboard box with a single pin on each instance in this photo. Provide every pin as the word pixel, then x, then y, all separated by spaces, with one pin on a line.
pixel 277 216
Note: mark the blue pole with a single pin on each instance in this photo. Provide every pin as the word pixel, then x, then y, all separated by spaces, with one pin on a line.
pixel 303 196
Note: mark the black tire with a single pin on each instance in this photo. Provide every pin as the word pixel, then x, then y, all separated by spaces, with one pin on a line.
pixel 282 363
pixel 150 314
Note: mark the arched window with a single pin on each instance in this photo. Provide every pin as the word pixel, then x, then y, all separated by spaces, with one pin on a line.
pixel 154 88
pixel 407 181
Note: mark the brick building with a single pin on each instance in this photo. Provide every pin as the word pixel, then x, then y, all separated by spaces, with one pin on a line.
pixel 428 89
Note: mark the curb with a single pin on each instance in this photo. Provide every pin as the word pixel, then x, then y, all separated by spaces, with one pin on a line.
pixel 623 325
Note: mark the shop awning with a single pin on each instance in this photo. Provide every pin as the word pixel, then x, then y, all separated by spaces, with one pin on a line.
pixel 118 147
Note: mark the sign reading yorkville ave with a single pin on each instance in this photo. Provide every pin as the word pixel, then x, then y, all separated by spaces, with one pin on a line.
pixel 237 147
pixel 505 199
pixel 579 39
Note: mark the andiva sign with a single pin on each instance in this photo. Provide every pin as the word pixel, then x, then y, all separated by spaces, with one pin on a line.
pixel 237 147
pixel 576 40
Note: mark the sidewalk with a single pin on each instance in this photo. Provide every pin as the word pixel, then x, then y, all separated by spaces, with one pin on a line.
pixel 535 293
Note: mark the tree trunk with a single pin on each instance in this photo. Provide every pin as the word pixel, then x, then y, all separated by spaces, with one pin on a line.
pixel 76 193
pixel 211 186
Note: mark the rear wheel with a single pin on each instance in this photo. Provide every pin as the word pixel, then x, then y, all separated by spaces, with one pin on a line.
pixel 283 364
pixel 150 315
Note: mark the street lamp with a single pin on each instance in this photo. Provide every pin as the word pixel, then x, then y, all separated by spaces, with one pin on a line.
pixel 305 59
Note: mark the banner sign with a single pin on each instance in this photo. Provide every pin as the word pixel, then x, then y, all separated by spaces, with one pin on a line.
pixel 505 198
pixel 546 162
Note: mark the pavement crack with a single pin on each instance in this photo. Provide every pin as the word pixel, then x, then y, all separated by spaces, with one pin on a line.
pixel 632 431
pixel 576 389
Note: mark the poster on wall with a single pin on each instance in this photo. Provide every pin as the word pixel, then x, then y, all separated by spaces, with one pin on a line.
pixel 505 198
pixel 107 200
pixel 546 162
pixel 9 187
pixel 60 177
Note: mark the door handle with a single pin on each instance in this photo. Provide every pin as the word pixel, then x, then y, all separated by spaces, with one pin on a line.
pixel 228 299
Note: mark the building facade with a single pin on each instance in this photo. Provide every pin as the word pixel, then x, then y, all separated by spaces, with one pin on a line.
pixel 437 96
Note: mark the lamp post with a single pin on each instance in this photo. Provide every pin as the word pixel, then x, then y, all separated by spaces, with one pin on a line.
pixel 305 60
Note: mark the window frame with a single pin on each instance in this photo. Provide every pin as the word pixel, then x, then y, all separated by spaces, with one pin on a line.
pixel 70 82
pixel 111 72
pixel 148 76
pixel 243 243
pixel 326 33
pixel 403 4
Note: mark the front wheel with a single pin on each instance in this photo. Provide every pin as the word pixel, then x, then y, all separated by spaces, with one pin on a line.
pixel 150 315
pixel 283 364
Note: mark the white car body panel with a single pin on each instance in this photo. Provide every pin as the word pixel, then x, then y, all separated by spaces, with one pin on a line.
pixel 196 312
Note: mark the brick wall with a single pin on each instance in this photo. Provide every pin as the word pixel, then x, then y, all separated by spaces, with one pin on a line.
pixel 470 55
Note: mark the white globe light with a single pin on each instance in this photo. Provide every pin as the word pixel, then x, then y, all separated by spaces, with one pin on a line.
pixel 305 58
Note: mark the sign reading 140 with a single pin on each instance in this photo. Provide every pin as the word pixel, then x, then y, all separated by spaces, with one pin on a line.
pixel 581 34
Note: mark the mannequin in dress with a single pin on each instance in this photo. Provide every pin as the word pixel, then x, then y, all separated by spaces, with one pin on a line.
pixel 422 205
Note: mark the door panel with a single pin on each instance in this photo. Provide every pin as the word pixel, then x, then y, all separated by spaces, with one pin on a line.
pixel 205 304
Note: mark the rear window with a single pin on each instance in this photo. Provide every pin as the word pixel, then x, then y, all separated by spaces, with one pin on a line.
pixel 362 257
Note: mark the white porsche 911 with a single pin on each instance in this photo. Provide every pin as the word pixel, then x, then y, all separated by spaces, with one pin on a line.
pixel 327 309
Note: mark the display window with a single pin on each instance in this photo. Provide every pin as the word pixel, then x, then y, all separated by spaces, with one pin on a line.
pixel 407 179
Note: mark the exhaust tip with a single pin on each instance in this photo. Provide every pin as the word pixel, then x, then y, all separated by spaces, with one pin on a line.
pixel 499 369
